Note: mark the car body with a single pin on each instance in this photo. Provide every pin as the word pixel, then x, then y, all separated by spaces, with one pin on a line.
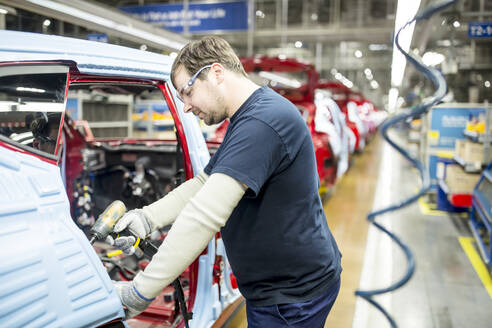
pixel 330 120
pixel 341 94
pixel 51 195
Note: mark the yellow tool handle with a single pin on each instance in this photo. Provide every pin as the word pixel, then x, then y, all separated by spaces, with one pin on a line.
pixel 119 251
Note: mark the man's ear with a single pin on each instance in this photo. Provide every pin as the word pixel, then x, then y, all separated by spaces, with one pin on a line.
pixel 218 72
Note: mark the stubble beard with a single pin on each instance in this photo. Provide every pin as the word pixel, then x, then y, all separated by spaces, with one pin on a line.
pixel 219 114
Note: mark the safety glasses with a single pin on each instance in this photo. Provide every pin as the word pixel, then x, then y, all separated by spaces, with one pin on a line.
pixel 186 89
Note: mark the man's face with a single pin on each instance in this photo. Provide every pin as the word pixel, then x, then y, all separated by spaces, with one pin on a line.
pixel 47 143
pixel 202 97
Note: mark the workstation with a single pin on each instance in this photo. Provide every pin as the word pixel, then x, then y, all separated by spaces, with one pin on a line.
pixel 245 163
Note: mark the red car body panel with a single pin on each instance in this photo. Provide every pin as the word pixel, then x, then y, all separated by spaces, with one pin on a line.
pixel 340 95
pixel 303 98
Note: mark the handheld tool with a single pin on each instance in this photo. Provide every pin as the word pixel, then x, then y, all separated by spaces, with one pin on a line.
pixel 107 220
pixel 104 227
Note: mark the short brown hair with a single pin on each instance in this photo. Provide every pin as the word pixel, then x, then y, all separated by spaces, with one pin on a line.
pixel 206 51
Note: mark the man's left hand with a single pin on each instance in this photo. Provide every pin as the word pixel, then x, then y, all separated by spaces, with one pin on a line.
pixel 133 302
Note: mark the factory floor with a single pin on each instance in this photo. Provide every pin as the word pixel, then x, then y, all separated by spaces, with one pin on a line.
pixel 450 288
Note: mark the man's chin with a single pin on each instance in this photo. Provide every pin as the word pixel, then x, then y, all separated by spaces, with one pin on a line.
pixel 211 121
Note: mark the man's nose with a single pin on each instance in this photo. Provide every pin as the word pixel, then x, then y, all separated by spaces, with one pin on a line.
pixel 187 107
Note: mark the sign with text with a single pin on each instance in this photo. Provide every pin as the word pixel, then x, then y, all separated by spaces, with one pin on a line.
pixel 480 29
pixel 201 16
pixel 99 37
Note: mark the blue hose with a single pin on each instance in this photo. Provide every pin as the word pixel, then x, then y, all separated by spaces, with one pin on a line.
pixel 441 88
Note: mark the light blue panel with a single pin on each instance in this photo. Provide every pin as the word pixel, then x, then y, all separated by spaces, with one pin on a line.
pixel 91 57
pixel 203 309
pixel 50 275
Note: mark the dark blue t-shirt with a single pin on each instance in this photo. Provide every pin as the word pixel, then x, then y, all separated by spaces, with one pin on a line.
pixel 277 238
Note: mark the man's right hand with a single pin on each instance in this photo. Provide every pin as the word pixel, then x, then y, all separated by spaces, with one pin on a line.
pixel 138 224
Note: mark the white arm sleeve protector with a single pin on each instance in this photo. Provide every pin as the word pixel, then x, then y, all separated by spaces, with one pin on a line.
pixel 164 211
pixel 195 226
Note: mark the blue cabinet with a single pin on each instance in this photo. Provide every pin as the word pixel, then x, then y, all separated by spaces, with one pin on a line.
pixel 481 214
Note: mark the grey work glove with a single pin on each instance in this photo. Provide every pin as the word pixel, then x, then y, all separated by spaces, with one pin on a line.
pixel 133 302
pixel 137 222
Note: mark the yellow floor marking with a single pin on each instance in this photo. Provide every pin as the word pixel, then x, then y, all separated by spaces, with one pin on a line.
pixel 476 261
pixel 428 209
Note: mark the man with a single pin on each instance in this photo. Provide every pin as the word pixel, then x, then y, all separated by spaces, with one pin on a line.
pixel 259 189
pixel 44 127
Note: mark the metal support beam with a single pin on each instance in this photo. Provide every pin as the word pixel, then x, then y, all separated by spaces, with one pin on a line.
pixel 251 26
pixel 360 12
pixel 278 16
pixel 186 30
pixel 335 14
pixel 283 34
pixel 319 56
pixel 4 10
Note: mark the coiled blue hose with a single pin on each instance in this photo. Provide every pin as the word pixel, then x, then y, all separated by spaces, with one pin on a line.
pixel 441 88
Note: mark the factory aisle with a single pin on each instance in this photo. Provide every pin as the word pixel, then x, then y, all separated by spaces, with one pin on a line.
pixel 346 212
pixel 446 289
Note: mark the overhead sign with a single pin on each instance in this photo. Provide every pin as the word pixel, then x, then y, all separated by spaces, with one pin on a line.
pixel 99 37
pixel 201 16
pixel 480 29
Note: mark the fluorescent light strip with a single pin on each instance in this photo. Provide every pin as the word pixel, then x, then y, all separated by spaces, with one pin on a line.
pixel 405 11
pixel 107 23
pixel 30 89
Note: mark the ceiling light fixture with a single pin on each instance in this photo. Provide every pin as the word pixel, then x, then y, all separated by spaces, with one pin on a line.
pixel 432 58
pixel 378 47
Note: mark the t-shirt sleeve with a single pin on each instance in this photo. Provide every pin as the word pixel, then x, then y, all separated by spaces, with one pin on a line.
pixel 250 155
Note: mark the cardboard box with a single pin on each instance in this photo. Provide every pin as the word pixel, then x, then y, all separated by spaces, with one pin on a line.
pixel 459 148
pixel 473 153
pixel 460 182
